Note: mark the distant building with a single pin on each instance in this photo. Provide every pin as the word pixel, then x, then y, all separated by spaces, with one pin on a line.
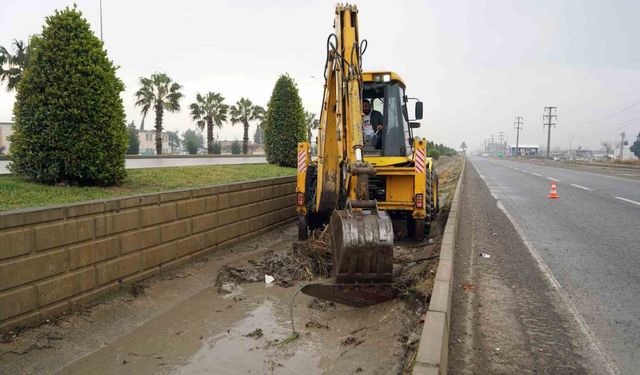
pixel 148 142
pixel 6 129
pixel 524 150
pixel 253 148
pixel 583 154
pixel 626 152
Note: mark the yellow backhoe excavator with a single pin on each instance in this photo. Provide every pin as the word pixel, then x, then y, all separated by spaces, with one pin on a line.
pixel 371 175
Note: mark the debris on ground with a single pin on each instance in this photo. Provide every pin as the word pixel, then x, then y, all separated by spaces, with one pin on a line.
pixel 485 255
pixel 268 279
pixel 468 287
pixel 256 334
pixel 315 324
pixel 137 290
pixel 303 262
pixel 351 341
pixel 321 305
pixel 179 275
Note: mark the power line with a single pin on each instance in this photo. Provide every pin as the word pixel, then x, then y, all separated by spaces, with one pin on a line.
pixel 610 115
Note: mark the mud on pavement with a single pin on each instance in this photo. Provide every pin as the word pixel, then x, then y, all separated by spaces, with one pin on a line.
pixel 219 316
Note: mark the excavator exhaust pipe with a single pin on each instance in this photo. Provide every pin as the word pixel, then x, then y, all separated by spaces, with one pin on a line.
pixel 362 245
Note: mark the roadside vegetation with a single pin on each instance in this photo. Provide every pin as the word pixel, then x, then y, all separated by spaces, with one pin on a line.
pixel 76 133
pixel 285 123
pixel 16 192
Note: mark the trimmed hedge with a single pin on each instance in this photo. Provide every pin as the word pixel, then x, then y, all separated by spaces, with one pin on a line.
pixel 70 121
pixel 285 123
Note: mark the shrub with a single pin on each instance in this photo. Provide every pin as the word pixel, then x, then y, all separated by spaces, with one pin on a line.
pixel 285 123
pixel 70 122
pixel 635 147
pixel 433 153
pixel 192 141
pixel 216 148
pixel 134 140
pixel 235 147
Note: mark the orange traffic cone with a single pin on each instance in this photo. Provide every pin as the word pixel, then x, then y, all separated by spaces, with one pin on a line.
pixel 554 193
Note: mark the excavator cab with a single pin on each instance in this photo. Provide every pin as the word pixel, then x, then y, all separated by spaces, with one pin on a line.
pixel 386 93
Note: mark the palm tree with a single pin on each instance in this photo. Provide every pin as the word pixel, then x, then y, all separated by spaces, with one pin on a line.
pixel 312 123
pixel 161 93
pixel 15 63
pixel 209 110
pixel 243 112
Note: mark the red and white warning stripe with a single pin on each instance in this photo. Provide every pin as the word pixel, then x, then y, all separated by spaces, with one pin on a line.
pixel 420 160
pixel 302 161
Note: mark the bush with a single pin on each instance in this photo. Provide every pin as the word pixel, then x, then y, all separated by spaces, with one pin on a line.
pixel 134 140
pixel 192 141
pixel 285 123
pixel 635 147
pixel 433 153
pixel 235 147
pixel 216 148
pixel 70 122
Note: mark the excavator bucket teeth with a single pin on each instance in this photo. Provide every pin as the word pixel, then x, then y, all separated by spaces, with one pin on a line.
pixel 355 295
pixel 362 243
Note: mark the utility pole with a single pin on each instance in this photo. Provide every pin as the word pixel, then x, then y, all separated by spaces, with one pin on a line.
pixel 518 126
pixel 101 20
pixel 622 135
pixel 549 115
pixel 493 144
pixel 501 136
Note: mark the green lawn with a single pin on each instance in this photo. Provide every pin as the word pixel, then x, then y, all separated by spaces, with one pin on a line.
pixel 15 192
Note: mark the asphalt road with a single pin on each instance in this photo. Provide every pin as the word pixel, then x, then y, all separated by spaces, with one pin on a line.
pixel 136 163
pixel 507 317
pixel 589 241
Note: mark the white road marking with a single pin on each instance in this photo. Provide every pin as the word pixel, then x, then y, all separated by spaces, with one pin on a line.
pixel 628 200
pixel 595 343
pixel 581 187
pixel 553 179
pixel 536 174
pixel 525 171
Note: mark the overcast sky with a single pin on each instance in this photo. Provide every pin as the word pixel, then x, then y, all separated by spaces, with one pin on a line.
pixel 475 64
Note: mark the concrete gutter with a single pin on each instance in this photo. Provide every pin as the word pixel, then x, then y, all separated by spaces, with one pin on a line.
pixel 433 350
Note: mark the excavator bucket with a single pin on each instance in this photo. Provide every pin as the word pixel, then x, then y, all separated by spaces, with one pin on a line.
pixel 362 245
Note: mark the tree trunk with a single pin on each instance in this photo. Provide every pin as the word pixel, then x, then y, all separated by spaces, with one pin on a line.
pixel 245 139
pixel 209 136
pixel 159 114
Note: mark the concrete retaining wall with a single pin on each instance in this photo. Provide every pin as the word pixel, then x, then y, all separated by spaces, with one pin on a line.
pixel 433 350
pixel 55 258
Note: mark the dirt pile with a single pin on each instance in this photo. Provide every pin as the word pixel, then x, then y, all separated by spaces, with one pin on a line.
pixel 302 261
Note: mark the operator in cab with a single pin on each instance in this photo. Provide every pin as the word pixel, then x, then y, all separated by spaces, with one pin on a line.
pixel 372 125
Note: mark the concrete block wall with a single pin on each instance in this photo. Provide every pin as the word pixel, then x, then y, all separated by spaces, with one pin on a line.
pixel 56 258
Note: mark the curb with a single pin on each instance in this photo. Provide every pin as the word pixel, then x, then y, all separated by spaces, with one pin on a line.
pixel 433 349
